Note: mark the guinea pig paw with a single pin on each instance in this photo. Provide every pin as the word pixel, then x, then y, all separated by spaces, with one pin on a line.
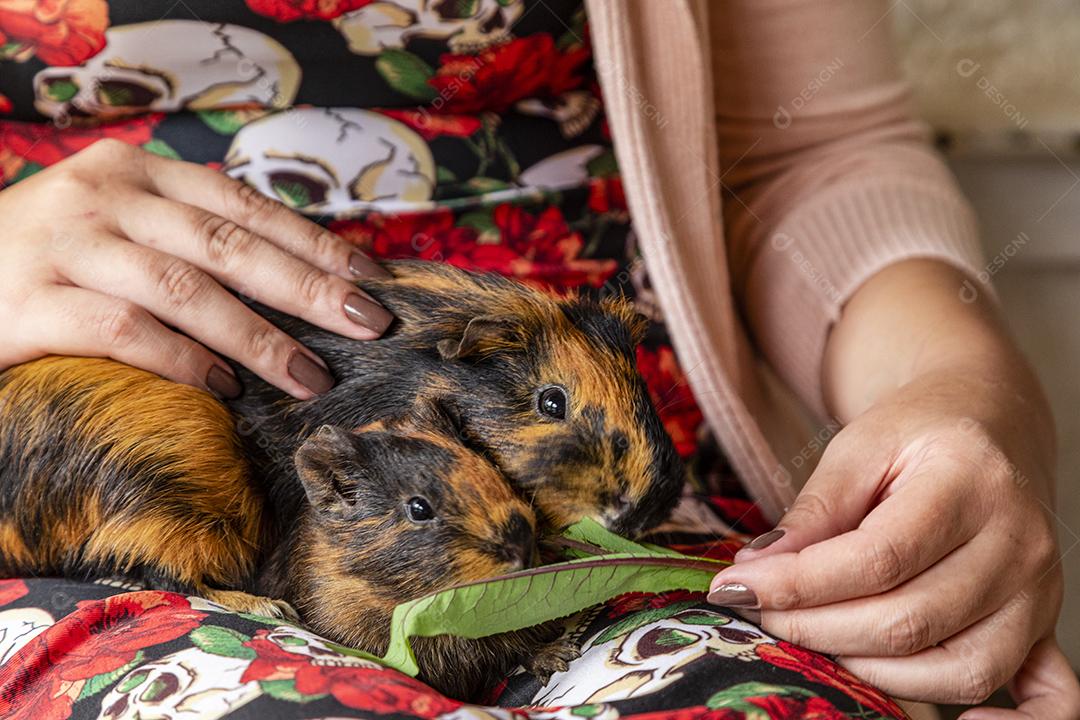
pixel 242 602
pixel 552 658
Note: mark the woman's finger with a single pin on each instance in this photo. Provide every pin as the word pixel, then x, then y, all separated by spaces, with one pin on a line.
pixel 1045 688
pixel 258 269
pixel 908 532
pixel 178 293
pixel 967 668
pixel 66 320
pixel 929 608
pixel 244 205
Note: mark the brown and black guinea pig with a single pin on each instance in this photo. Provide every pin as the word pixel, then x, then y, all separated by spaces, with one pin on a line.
pixel 397 511
pixel 546 387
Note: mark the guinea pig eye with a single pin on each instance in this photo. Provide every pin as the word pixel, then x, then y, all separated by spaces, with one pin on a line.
pixel 552 402
pixel 419 509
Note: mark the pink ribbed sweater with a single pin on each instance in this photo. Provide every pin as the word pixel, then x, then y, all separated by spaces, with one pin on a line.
pixel 772 165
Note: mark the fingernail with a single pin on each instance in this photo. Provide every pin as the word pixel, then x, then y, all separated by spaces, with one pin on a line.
pixel 367 313
pixel 763 541
pixel 307 372
pixel 733 595
pixel 223 383
pixel 363 267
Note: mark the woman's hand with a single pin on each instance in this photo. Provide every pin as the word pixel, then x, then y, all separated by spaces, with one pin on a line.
pixel 922 550
pixel 115 252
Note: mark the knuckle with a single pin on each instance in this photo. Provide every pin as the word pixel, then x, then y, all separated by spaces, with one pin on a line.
pixel 247 204
pixel 180 283
pixel 978 682
pixel 324 244
pixel 885 565
pixel 798 630
pixel 264 341
pixel 906 633
pixel 69 181
pixel 313 286
pixel 110 149
pixel 223 240
pixel 121 325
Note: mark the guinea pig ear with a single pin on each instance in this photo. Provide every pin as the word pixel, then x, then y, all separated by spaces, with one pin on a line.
pixel 483 335
pixel 436 414
pixel 328 469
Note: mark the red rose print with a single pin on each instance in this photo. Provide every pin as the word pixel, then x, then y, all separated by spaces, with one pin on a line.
pixel 290 10
pixel 499 76
pixel 431 125
pixel 58 32
pixel 29 690
pixel 379 691
pixel 671 395
pixel 5 105
pixel 635 601
pixel 425 235
pixel 606 195
pixel 271 661
pixel 790 706
pixel 12 590
pixel 45 144
pixel 103 635
pixel 699 712
pixel 818 669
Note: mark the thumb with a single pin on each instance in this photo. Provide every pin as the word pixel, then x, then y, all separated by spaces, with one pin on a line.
pixel 1045 688
pixel 838 495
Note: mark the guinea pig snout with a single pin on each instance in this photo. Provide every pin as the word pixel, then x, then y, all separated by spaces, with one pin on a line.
pixel 518 542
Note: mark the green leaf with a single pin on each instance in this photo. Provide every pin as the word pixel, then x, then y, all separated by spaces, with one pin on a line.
pixel 99 682
pixel 483 185
pixel 406 73
pixel 603 165
pixel 26 171
pixel 537 595
pixel 162 148
pixel 734 697
pixel 590 532
pixel 641 618
pixel 222 641
pixel 229 122
pixel 286 690
pixel 444 175
pixel 481 221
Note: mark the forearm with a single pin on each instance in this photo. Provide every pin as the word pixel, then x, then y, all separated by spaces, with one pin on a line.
pixel 911 322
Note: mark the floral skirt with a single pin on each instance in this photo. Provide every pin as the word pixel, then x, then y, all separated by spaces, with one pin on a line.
pixel 110 651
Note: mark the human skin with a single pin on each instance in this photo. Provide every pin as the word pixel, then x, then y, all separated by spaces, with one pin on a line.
pixel 115 252
pixel 922 551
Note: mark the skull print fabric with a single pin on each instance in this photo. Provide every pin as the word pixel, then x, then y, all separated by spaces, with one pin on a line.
pixel 470 132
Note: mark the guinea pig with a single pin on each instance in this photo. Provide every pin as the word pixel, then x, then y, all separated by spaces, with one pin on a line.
pixel 546 387
pixel 394 512
pixel 159 491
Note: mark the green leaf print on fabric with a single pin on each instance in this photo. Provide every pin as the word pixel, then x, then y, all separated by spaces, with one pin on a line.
pixel 99 682
pixel 286 690
pixel 736 696
pixel 25 171
pixel 407 74
pixel 228 122
pixel 640 619
pixel 61 90
pixel 162 148
pixel 222 641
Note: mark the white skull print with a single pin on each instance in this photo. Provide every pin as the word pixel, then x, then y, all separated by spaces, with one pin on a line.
pixel 187 685
pixel 18 627
pixel 170 65
pixel 466 27
pixel 649 658
pixel 332 160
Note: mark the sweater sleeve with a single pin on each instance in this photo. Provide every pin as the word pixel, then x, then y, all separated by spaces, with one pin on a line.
pixel 826 174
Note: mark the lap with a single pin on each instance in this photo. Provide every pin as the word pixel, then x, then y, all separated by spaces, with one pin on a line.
pixel 94 650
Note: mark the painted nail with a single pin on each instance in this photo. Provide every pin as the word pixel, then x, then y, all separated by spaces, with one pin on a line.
pixel 223 383
pixel 763 541
pixel 733 595
pixel 308 373
pixel 367 313
pixel 363 267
